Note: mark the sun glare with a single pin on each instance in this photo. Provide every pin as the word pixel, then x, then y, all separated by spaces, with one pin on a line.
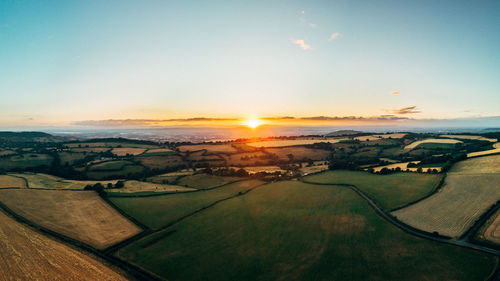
pixel 253 123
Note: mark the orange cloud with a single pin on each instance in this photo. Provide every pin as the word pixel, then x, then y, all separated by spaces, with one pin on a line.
pixel 302 44
pixel 334 36
pixel 396 93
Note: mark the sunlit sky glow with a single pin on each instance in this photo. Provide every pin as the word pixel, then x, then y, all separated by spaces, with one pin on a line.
pixel 71 62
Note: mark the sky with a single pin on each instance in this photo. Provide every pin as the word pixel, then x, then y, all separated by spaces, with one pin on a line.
pixel 92 62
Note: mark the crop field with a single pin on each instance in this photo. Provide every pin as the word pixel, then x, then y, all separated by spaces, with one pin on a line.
pixel 305 170
pixel 159 151
pixel 468 137
pixel 202 156
pixel 29 160
pixel 126 171
pixel 81 215
pixel 124 151
pixel 160 162
pixel 133 186
pixel 299 153
pixel 454 209
pixel 495 150
pixel 29 255
pixel 4 152
pixel 297 231
pixel 246 158
pixel 7 181
pixel 205 181
pixel 480 165
pixel 283 143
pixel 109 166
pixel 40 180
pixel 389 191
pixel 429 141
pixel 210 148
pixel 158 211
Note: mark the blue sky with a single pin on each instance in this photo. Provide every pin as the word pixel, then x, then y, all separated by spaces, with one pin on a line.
pixel 67 61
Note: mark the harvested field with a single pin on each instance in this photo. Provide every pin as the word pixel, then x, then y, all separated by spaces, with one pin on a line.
pixel 40 180
pixel 211 148
pixel 402 166
pixel 81 215
pixel 440 141
pixel 133 186
pixel 294 231
pixel 7 181
pixel 205 181
pixel 389 191
pixel 158 211
pixel 283 143
pixel 455 208
pixel 299 153
pixel 495 150
pixel 4 152
pixel 305 170
pixel 468 137
pixel 124 151
pixel 29 255
pixel 109 145
pixel 258 169
pixel 480 165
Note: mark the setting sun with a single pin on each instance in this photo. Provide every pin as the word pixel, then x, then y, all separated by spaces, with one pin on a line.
pixel 253 123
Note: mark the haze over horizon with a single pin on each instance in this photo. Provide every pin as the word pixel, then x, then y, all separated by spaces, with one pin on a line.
pixel 318 63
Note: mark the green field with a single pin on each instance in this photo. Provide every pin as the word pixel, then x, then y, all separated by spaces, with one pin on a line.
pixel 109 166
pixel 205 181
pixel 298 231
pixel 158 211
pixel 389 191
pixel 24 161
pixel 125 172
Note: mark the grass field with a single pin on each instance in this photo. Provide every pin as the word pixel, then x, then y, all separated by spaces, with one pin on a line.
pixel 70 158
pixel 158 211
pixel 124 151
pixel 7 181
pixel 133 186
pixel 159 151
pixel 468 137
pixel 283 143
pixel 161 161
pixel 296 231
pixel 81 215
pixel 28 160
pixel 29 255
pixel 431 141
pixel 389 191
pixel 40 180
pixel 126 171
pixel 495 150
pixel 205 181
pixel 109 166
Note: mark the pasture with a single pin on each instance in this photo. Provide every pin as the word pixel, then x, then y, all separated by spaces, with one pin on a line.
pixel 296 231
pixel 81 215
pixel 69 158
pixel 7 181
pixel 25 161
pixel 160 162
pixel 436 143
pixel 455 208
pixel 158 211
pixel 159 151
pixel 210 148
pixel 29 255
pixel 389 191
pixel 299 153
pixel 126 171
pixel 205 181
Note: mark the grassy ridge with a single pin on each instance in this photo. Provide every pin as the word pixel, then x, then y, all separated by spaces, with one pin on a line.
pixel 158 211
pixel 389 191
pixel 298 231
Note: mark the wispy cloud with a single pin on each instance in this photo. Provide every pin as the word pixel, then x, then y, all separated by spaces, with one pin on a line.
pixel 334 36
pixel 305 21
pixel 301 43
pixel 404 110
pixel 396 93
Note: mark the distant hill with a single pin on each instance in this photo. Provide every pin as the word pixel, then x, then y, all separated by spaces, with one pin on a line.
pixel 344 133
pixel 29 137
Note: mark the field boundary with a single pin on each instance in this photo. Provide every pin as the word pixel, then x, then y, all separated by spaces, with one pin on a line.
pixel 130 269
